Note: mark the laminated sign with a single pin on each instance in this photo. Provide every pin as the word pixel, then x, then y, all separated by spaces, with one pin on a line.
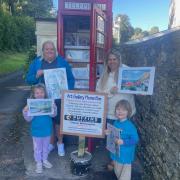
pixel 83 113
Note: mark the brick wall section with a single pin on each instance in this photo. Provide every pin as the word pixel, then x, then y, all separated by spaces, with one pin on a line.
pixel 158 116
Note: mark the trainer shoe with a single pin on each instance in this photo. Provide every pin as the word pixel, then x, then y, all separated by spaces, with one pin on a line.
pixel 39 168
pixel 47 164
pixel 50 147
pixel 61 151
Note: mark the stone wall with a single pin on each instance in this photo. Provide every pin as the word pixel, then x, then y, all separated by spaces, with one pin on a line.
pixel 158 116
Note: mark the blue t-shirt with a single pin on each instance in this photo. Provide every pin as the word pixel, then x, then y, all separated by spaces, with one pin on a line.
pixel 41 126
pixel 129 135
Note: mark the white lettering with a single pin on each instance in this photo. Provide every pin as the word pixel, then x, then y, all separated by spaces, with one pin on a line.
pixel 101 6
pixel 78 6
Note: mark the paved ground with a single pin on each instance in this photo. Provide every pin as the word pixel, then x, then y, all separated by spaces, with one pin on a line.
pixel 16 156
pixel 12 98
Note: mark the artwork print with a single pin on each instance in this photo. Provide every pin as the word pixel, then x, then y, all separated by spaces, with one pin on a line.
pixel 39 107
pixel 139 80
pixel 77 55
pixel 111 137
pixel 56 82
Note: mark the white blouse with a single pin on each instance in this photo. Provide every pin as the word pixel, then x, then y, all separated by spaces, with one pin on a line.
pixel 114 98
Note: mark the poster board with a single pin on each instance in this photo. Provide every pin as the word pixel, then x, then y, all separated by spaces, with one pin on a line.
pixel 83 113
pixel 39 107
pixel 56 82
pixel 110 142
pixel 136 80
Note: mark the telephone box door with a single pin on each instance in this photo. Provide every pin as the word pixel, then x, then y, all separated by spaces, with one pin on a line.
pixel 97 45
pixel 97 51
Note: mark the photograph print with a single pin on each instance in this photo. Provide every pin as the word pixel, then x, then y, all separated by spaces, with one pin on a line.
pixel 136 80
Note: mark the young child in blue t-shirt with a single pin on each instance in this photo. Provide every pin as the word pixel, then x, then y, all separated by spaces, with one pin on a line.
pixel 127 141
pixel 41 130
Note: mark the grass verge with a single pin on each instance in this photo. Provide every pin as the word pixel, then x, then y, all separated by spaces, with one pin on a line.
pixel 11 61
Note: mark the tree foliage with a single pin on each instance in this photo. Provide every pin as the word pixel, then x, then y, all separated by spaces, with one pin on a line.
pixel 37 8
pixel 17 26
pixel 154 30
pixel 139 33
pixel 16 33
pixel 32 8
pixel 127 32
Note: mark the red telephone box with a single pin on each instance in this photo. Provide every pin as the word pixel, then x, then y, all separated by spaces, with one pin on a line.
pixel 84 35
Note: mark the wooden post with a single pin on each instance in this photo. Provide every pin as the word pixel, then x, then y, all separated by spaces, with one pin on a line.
pixel 81 147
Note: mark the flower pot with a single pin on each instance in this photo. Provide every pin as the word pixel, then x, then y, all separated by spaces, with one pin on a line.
pixel 80 165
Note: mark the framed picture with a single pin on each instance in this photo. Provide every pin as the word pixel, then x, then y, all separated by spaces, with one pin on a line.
pixel 56 82
pixel 77 55
pixel 83 39
pixel 136 80
pixel 81 73
pixel 38 107
pixel 83 113
pixel 110 142
pixel 81 84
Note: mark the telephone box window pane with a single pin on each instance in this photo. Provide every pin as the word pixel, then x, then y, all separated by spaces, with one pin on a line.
pixel 70 39
pixel 83 39
pixel 100 38
pixel 100 55
pixel 99 70
pixel 100 24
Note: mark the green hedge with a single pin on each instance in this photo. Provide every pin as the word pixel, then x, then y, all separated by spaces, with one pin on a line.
pixel 16 33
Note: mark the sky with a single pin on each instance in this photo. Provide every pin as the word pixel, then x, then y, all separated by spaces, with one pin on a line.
pixel 143 13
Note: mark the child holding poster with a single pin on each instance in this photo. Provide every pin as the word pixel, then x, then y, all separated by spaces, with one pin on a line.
pixel 41 129
pixel 127 141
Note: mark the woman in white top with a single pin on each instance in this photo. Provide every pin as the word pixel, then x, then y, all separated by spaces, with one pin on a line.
pixel 108 84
